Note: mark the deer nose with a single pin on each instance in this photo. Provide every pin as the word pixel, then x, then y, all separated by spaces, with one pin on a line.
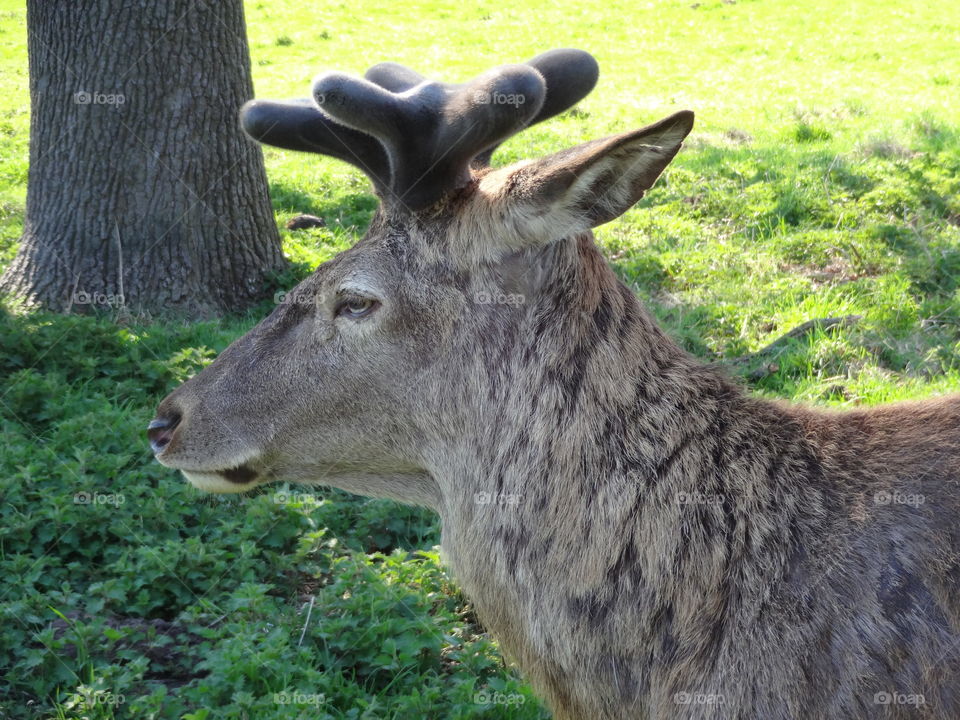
pixel 160 432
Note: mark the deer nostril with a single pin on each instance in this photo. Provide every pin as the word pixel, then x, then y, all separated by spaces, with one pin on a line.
pixel 160 432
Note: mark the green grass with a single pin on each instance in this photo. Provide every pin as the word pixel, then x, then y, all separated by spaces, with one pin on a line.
pixel 822 180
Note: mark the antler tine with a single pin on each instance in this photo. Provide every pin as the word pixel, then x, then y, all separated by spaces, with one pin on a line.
pixel 432 131
pixel 300 125
pixel 394 77
pixel 569 74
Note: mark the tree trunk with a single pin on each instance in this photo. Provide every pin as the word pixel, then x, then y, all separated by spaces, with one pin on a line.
pixel 142 190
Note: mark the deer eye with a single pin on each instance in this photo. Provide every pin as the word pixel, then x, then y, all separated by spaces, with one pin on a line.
pixel 356 307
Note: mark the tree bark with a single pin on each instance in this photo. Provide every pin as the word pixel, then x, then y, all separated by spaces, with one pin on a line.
pixel 143 192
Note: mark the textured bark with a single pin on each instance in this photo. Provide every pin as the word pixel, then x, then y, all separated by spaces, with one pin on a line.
pixel 142 191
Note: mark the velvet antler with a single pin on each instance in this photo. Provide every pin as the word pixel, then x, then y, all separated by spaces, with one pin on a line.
pixel 416 139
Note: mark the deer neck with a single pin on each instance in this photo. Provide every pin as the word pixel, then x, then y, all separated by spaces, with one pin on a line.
pixel 587 389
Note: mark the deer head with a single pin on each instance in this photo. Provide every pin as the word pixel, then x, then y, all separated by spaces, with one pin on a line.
pixel 376 370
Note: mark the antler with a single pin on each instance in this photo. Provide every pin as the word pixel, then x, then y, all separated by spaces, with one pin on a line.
pixel 417 139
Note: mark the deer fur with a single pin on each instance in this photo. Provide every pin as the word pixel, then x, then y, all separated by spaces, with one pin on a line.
pixel 642 536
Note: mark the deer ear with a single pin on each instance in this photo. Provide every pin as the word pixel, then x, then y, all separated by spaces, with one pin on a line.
pixel 577 189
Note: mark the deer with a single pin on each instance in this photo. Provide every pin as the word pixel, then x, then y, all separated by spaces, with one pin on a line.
pixel 644 537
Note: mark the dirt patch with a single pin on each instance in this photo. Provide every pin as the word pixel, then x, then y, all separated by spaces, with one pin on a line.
pixel 737 136
pixel 162 642
pixel 836 272
pixel 887 150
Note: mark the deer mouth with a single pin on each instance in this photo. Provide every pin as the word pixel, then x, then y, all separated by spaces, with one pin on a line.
pixel 229 480
pixel 241 474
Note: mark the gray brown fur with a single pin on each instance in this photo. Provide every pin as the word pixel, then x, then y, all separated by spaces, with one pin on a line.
pixel 633 527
